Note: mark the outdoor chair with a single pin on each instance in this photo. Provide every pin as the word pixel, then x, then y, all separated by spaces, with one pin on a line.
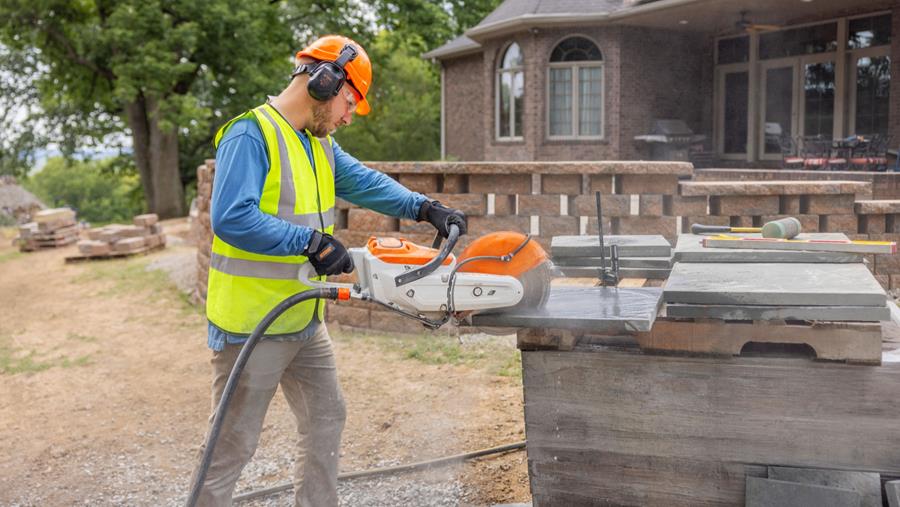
pixel 790 153
pixel 816 153
pixel 871 153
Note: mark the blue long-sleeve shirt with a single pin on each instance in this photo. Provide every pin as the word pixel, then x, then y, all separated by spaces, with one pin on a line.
pixel 241 168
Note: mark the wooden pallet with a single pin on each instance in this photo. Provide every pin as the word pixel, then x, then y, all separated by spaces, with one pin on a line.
pixel 113 255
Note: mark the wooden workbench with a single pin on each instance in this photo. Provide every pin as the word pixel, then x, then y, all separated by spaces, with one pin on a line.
pixel 610 424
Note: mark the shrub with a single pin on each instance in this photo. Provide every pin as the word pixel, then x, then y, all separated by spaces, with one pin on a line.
pixel 101 191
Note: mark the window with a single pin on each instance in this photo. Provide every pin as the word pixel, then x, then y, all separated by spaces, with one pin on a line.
pixel 575 90
pixel 510 90
pixel 869 32
pixel 734 50
pixel 807 40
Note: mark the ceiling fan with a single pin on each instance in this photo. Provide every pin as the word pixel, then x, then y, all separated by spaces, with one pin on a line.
pixel 750 27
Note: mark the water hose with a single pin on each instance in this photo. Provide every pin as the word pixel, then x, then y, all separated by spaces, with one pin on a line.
pixel 231 384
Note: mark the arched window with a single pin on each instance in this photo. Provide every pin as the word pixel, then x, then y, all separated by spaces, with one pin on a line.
pixel 510 90
pixel 575 89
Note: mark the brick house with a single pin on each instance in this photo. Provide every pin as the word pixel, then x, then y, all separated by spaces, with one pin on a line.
pixel 579 79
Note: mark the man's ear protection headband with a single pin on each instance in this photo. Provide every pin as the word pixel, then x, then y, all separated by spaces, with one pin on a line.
pixel 326 78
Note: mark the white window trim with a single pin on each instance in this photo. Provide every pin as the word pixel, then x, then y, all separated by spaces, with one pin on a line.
pixel 576 99
pixel 498 74
pixel 845 92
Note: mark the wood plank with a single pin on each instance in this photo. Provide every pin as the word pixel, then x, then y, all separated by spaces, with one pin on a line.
pixel 588 406
pixel 838 341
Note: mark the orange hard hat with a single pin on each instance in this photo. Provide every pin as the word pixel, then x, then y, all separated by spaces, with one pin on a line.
pixel 359 70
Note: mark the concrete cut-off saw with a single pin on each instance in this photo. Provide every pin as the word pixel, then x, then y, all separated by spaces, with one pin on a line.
pixel 431 285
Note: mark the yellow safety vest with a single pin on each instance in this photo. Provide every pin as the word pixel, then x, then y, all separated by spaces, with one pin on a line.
pixel 245 286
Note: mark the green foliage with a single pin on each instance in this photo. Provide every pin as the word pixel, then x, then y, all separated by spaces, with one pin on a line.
pixel 15 360
pixel 404 123
pixel 100 191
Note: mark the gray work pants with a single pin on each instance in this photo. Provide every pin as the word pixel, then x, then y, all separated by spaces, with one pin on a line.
pixel 306 372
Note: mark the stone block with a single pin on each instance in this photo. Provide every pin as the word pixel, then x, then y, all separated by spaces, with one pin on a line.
pixel 741 222
pixel 613 205
pixel 877 207
pixel 393 323
pixel 341 217
pixel 134 231
pixel 544 204
pixel 455 184
pixel 562 184
pixel 884 281
pixel 664 226
pixel 342 204
pixel 348 315
pixel 370 221
pixel 676 205
pixel 808 223
pixel 92 247
pixel 840 204
pixel 775 187
pixel 789 204
pixel 416 227
pixel 743 205
pixel 504 205
pixel 500 183
pixel 146 220
pixel 127 245
pixel 423 183
pixel 646 184
pixel 867 484
pixel 156 229
pixel 602 183
pixel 153 241
pixel 892 492
pixel 592 226
pixel 470 204
pixel 771 493
pixel 887 264
pixel 872 224
pixel 650 205
pixel 56 224
pixel 838 223
pixel 484 225
pixel 54 215
pixel 550 226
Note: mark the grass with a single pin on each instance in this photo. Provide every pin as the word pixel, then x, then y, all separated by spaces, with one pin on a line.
pixel 8 256
pixel 14 360
pixel 131 275
pixel 490 355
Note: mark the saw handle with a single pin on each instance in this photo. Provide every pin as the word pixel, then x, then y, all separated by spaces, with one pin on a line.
pixel 717 229
pixel 434 263
pixel 307 271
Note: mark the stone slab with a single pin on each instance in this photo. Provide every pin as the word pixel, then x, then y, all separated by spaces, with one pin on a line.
pixel 598 309
pixel 690 249
pixel 877 207
pixel 652 245
pixel 797 284
pixel 771 493
pixel 624 262
pixel 593 272
pixel 777 187
pixel 867 484
pixel 593 167
pixel 765 312
pixel 892 492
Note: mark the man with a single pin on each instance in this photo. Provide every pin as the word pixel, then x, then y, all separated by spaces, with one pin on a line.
pixel 278 171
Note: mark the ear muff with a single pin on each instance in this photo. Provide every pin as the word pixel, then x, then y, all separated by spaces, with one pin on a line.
pixel 326 78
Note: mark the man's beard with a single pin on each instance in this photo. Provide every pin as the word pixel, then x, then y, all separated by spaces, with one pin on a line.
pixel 321 115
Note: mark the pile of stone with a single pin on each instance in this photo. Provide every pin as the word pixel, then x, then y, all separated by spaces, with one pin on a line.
pixel 117 240
pixel 640 256
pixel 51 228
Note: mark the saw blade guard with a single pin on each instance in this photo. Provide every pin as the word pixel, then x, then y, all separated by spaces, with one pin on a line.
pixel 529 264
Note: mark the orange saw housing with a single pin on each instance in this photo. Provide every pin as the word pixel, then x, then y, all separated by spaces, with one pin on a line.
pixel 498 244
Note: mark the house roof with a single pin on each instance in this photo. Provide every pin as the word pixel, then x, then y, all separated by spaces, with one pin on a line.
pixel 514 15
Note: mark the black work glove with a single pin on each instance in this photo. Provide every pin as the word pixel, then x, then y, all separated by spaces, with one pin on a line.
pixel 328 255
pixel 441 217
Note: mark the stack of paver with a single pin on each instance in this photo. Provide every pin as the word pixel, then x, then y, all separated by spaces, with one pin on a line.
pixel 640 256
pixel 119 240
pixel 51 228
pixel 718 300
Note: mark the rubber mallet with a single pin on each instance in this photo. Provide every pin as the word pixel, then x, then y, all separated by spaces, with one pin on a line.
pixel 783 228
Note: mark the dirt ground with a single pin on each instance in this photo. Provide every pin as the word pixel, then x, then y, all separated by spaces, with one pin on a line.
pixel 105 395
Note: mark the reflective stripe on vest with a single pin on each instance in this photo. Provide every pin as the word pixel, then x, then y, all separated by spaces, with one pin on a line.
pixel 244 286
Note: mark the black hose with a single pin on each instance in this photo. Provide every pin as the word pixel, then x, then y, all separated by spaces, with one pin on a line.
pixel 231 384
pixel 392 469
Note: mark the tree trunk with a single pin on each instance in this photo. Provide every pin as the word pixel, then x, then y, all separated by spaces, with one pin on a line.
pixel 156 156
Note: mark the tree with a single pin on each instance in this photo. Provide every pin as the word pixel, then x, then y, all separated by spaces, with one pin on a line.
pixel 153 70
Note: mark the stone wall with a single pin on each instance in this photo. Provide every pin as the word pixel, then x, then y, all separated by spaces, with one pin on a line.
pixel 550 199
